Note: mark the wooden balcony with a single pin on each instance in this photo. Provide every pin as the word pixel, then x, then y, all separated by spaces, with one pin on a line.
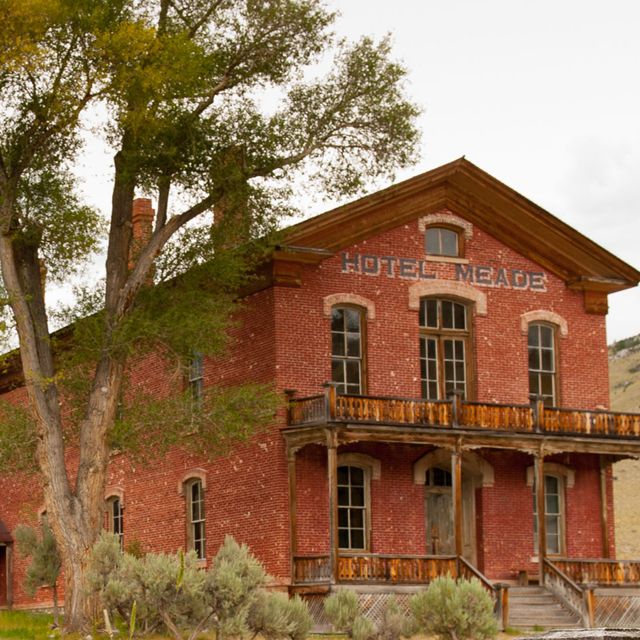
pixel 534 419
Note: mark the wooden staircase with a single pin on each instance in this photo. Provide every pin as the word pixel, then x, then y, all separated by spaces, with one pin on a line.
pixel 536 607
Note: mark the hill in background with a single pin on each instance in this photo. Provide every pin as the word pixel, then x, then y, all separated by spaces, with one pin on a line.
pixel 624 382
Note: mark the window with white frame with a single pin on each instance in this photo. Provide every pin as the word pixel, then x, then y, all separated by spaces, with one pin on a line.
pixel 444 348
pixel 194 493
pixel 347 352
pixel 554 514
pixel 542 363
pixel 115 518
pixel 353 498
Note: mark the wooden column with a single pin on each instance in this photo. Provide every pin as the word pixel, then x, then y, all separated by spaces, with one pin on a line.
pixel 293 510
pixel 332 482
pixel 604 504
pixel 540 507
pixel 456 477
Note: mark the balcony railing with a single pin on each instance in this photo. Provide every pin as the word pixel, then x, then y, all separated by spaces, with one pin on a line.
pixel 517 418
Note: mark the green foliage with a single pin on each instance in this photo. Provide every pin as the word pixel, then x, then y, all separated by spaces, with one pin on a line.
pixel 455 610
pixel 342 609
pixel 275 616
pixel 170 591
pixel 45 559
pixel 625 343
pixel 394 623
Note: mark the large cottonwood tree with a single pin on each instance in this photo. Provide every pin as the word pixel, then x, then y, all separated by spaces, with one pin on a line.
pixel 208 105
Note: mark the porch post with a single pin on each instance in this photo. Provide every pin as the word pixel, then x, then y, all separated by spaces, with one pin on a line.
pixel 456 476
pixel 604 503
pixel 332 482
pixel 540 507
pixel 293 510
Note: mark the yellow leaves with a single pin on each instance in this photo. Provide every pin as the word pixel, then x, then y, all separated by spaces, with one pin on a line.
pixel 24 25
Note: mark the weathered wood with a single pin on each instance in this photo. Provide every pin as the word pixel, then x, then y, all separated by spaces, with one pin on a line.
pixel 601 571
pixel 309 569
pixel 456 476
pixel 604 504
pixel 332 482
pixel 387 569
pixel 293 507
pixel 540 503
pixel 562 584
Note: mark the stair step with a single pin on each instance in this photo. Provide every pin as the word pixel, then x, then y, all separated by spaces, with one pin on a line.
pixel 534 607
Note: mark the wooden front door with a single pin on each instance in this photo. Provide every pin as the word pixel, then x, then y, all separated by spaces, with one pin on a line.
pixel 439 515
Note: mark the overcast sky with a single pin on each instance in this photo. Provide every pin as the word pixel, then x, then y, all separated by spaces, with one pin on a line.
pixel 544 95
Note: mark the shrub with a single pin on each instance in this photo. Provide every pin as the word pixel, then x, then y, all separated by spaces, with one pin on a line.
pixel 171 591
pixel 455 610
pixel 275 616
pixel 342 609
pixel 395 623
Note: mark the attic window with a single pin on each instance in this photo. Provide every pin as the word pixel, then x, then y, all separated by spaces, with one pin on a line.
pixel 443 241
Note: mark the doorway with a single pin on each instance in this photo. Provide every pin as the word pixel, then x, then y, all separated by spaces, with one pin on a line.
pixel 439 514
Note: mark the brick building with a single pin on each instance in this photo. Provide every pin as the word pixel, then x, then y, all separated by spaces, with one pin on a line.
pixel 461 331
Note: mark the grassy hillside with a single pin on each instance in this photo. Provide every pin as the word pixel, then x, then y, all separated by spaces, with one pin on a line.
pixel 624 379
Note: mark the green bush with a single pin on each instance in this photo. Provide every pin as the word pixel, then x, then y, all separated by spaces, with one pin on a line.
pixel 455 610
pixel 171 591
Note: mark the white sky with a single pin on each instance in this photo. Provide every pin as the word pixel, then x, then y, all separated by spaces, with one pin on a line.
pixel 543 95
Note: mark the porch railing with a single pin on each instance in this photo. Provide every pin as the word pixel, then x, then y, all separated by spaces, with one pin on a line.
pixel 580 600
pixel 519 418
pixel 602 572
pixel 390 569
pixel 310 569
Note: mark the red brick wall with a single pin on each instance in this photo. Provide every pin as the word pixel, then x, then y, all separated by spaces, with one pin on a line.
pixel 283 336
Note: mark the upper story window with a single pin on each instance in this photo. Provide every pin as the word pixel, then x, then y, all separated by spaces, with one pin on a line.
pixel 542 363
pixel 347 359
pixel 194 492
pixel 444 348
pixel 115 518
pixel 443 241
pixel 196 377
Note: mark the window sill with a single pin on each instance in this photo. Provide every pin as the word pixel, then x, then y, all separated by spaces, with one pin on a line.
pixel 449 259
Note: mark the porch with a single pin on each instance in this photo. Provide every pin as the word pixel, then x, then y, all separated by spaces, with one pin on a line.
pixel 453 431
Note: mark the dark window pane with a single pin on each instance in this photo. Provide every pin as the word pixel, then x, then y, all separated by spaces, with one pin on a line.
pixel 533 335
pixel 433 370
pixel 357 518
pixel 533 384
pixel 433 391
pixel 343 475
pixel 547 360
pixel 337 320
pixel 447 314
pixel 357 476
pixel 448 371
pixel 553 504
pixel 546 380
pixel 431 349
pixel 448 349
pixel 460 371
pixel 337 344
pixel 423 368
pixel 534 359
pixel 459 350
pixel 337 370
pixel 459 316
pixel 353 372
pixel 352 389
pixel 432 241
pixel 357 539
pixel 357 496
pixel 449 240
pixel 352 320
pixel 432 313
pixel 343 538
pixel 343 496
pixel 353 345
pixel 423 348
pixel 546 335
pixel 552 525
pixel 551 484
pixel 343 518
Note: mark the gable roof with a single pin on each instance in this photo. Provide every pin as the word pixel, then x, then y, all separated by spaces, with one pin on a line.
pixel 484 201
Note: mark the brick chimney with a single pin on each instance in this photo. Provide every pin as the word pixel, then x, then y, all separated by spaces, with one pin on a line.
pixel 142 226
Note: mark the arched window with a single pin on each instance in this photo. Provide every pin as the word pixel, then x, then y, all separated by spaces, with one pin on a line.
pixel 115 517
pixel 443 241
pixel 347 349
pixel 353 512
pixel 444 348
pixel 554 514
pixel 542 363
pixel 194 493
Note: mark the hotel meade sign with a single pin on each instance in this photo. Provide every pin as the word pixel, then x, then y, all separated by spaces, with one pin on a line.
pixel 414 269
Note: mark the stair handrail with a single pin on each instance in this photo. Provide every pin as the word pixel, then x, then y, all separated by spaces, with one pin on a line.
pixel 499 592
pixel 580 601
